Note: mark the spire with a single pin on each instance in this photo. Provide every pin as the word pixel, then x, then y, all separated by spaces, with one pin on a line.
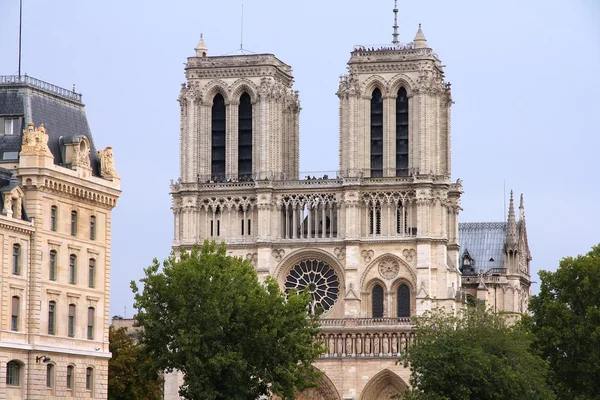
pixel 201 49
pixel 511 228
pixel 395 34
pixel 522 209
pixel 420 42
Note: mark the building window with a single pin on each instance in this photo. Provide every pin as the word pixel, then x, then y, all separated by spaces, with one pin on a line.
pixel 16 270
pixel 70 370
pixel 92 227
pixel 90 324
pixel 219 114
pixel 245 137
pixel 72 269
pixel 13 373
pixel 375 218
pixel 52 272
pixel 89 378
pixel 376 134
pixel 73 223
pixel 71 327
pixel 377 301
pixel 402 133
pixel 14 319
pixel 92 273
pixel 53 216
pixel 403 301
pixel 49 375
pixel 10 126
pixel 51 317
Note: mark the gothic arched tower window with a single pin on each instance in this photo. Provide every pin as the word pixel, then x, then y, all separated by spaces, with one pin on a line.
pixel 402 133
pixel 245 137
pixel 218 138
pixel 376 133
pixel 377 301
pixel 403 301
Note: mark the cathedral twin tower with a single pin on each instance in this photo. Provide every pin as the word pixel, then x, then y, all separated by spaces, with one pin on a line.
pixel 375 244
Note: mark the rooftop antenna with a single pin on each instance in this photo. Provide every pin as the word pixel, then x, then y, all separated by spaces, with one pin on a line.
pixel 242 30
pixel 20 29
pixel 395 34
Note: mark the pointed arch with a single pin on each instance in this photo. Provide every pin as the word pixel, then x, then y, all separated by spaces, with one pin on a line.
pixel 402 128
pixel 383 385
pixel 245 133
pixel 405 271
pixel 240 86
pixel 325 390
pixel 376 133
pixel 218 137
pixel 372 83
pixel 401 80
pixel 212 88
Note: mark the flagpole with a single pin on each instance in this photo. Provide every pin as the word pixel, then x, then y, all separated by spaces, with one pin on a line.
pixel 20 28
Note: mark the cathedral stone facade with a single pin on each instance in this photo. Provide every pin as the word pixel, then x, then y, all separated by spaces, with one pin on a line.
pixel 57 193
pixel 376 242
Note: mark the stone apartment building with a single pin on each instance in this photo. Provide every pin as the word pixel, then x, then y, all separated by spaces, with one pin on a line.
pixel 376 242
pixel 57 193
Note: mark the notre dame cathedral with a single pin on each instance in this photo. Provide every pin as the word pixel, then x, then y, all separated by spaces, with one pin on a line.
pixel 377 241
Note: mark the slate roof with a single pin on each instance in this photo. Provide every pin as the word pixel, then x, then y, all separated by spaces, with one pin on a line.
pixel 484 241
pixel 58 109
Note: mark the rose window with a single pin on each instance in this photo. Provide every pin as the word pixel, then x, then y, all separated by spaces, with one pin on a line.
pixel 320 279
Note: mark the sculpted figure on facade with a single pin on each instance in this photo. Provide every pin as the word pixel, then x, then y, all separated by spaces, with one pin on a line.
pixel 107 163
pixel 35 140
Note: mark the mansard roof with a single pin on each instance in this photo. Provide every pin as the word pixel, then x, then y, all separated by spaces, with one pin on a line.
pixel 60 110
pixel 484 242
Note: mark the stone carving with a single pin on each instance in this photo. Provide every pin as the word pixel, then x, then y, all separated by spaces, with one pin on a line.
pixel 252 257
pixel 340 253
pixel 409 254
pixel 81 153
pixel 367 255
pixel 35 141
pixel 107 163
pixel 278 254
pixel 388 268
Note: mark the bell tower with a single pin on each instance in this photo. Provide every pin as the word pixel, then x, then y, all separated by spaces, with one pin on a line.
pixel 239 118
pixel 394 111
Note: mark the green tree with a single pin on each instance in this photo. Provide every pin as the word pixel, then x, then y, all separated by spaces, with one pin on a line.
pixel 131 374
pixel 473 355
pixel 565 319
pixel 208 316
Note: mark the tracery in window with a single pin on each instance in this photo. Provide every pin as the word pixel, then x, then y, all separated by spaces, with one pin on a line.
pixel 402 133
pixel 376 134
pixel 375 218
pixel 320 279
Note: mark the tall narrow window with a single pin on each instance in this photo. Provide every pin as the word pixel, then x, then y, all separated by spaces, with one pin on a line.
pixel 218 138
pixel 49 375
pixel 14 319
pixel 403 301
pixel 70 370
pixel 90 323
pixel 377 301
pixel 92 227
pixel 72 269
pixel 89 378
pixel 402 133
pixel 13 373
pixel 51 317
pixel 52 272
pixel 92 273
pixel 375 219
pixel 16 270
pixel 73 223
pixel 53 216
pixel 376 134
pixel 71 325
pixel 245 137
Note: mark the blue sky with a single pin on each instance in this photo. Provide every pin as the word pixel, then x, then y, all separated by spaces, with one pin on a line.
pixel 523 74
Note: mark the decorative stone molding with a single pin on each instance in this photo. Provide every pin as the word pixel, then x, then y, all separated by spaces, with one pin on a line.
pixel 35 141
pixel 278 254
pixel 107 163
pixel 409 254
pixel 252 257
pixel 340 253
pixel 388 268
pixel 367 255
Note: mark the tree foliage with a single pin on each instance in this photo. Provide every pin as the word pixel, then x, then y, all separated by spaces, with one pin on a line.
pixel 208 316
pixel 566 323
pixel 131 374
pixel 473 355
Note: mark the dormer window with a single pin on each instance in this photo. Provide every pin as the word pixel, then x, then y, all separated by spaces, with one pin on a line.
pixel 10 125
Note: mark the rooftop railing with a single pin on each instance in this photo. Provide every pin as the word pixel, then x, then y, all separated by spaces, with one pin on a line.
pixel 24 80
